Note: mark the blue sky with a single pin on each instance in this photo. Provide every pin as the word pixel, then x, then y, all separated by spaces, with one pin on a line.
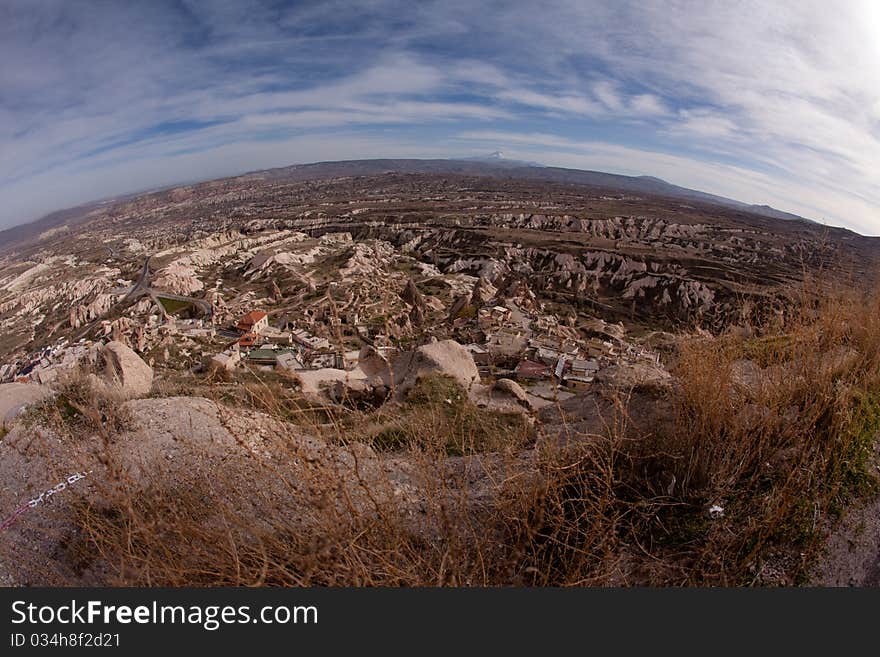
pixel 766 102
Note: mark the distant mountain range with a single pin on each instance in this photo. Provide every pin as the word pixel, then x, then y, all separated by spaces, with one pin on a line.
pixel 497 158
pixel 640 184
pixel 494 164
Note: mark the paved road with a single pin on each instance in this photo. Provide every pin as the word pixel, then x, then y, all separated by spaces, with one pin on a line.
pixel 142 284
pixel 140 289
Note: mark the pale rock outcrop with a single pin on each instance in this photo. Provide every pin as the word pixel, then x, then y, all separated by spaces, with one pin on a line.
pixel 367 258
pixel 125 373
pixel 445 357
pixel 179 277
pixel 263 262
pixel 24 279
pixel 504 396
pixel 336 238
pixel 488 268
pixel 483 291
pixel 513 389
pixel 81 314
pixel 321 382
pixel 373 364
pixel 427 269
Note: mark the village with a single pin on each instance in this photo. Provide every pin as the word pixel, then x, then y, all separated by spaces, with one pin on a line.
pixel 506 334
pixel 313 306
pixel 502 327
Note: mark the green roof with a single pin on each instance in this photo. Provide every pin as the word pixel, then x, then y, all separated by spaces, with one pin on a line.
pixel 268 354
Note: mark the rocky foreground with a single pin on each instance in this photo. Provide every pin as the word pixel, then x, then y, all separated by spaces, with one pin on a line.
pixel 177 443
pixel 108 448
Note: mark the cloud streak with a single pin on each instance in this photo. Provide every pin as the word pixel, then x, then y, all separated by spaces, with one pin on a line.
pixel 769 103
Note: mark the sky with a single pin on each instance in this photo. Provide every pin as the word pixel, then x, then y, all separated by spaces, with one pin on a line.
pixel 765 102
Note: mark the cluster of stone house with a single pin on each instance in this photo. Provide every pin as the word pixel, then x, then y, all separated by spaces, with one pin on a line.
pixel 568 363
pixel 261 344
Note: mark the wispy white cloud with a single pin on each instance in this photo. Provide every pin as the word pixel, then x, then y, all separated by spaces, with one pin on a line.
pixel 704 124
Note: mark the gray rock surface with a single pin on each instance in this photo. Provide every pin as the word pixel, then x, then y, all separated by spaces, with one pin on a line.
pixel 15 397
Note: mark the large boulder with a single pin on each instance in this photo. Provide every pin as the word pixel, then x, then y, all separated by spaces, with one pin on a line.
pixel 15 397
pixel 512 389
pixel 321 383
pixel 125 372
pixel 504 396
pixel 446 357
pixel 373 364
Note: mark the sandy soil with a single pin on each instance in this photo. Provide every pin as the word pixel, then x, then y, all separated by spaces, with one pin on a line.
pixel 853 549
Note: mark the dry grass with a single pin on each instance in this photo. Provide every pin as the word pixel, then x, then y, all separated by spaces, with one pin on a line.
pixel 776 430
pixel 782 446
pixel 437 417
pixel 80 407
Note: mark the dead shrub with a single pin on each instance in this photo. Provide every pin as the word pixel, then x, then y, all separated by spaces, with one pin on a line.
pixel 80 406
pixel 437 416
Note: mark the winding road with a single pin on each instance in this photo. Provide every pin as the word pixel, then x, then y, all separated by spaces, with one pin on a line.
pixel 140 289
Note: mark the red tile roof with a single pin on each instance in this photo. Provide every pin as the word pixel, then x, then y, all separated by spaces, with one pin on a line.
pixel 247 340
pixel 246 322
pixel 253 317
pixel 531 369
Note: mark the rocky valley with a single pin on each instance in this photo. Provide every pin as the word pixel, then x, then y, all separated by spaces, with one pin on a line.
pixel 497 310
